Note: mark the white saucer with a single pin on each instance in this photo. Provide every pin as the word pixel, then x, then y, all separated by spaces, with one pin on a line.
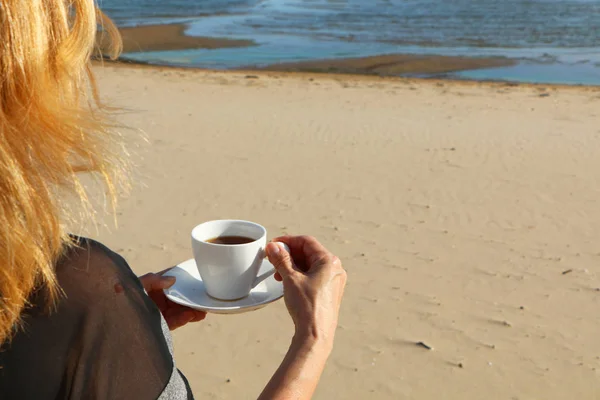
pixel 189 291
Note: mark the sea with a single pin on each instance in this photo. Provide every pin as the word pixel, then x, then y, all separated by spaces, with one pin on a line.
pixel 553 41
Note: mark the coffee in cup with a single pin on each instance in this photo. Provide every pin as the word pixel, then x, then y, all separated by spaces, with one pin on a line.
pixel 229 254
pixel 230 240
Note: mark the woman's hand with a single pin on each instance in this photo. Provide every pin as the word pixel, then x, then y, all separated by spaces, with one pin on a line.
pixel 175 314
pixel 313 283
pixel 313 286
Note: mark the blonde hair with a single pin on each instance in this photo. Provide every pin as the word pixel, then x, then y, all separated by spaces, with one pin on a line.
pixel 52 126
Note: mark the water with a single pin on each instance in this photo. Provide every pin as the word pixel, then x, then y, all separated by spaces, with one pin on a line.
pixel 556 41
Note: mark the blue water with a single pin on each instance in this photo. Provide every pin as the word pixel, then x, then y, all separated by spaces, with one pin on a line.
pixel 554 41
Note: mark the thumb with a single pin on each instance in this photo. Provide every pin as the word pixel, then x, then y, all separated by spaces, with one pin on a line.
pixel 153 282
pixel 166 282
pixel 280 257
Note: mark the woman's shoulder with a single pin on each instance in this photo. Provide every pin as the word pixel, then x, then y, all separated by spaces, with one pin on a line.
pixel 83 248
pixel 88 267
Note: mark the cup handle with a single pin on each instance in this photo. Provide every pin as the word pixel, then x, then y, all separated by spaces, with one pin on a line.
pixel 270 272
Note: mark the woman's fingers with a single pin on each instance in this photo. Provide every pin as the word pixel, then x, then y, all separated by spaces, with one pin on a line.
pixel 198 316
pixel 280 258
pixel 177 315
pixel 307 252
pixel 177 318
pixel 152 282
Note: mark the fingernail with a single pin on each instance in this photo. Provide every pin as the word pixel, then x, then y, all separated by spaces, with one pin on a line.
pixel 274 249
pixel 282 246
pixel 169 280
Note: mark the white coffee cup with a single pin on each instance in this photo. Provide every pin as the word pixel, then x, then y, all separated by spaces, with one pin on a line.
pixel 230 271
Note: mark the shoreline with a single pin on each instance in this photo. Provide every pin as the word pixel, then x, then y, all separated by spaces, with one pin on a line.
pixel 166 37
pixel 255 74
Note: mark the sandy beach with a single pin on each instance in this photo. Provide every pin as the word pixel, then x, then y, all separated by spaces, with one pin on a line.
pixel 466 215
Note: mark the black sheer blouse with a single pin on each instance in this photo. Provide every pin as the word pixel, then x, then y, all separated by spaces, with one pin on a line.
pixel 101 343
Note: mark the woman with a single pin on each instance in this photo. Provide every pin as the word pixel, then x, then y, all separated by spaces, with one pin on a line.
pixel 75 322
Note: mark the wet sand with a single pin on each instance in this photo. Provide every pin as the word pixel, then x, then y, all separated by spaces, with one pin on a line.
pixel 167 37
pixel 393 65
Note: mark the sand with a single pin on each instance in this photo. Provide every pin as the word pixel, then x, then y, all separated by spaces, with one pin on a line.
pixel 466 215
pixel 166 37
pixel 394 64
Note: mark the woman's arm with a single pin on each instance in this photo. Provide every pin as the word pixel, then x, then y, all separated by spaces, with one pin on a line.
pixel 313 281
pixel 299 373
